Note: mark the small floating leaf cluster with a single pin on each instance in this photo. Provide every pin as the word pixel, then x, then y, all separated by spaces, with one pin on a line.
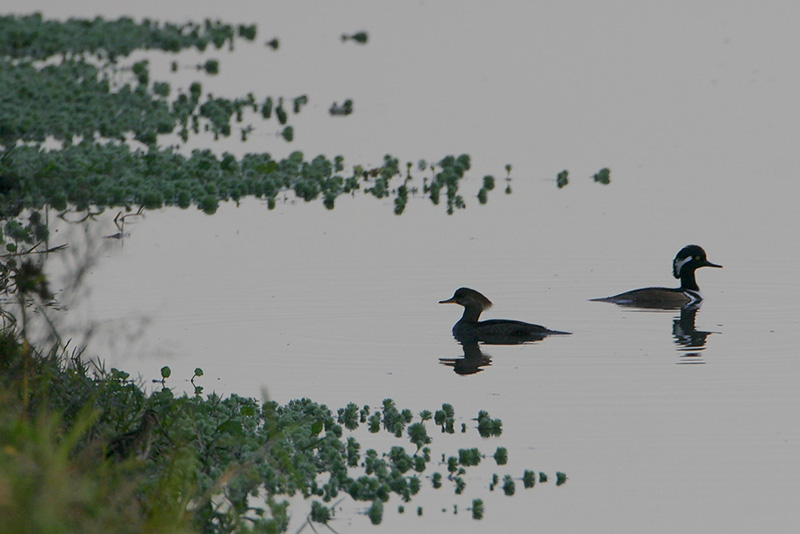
pixel 452 171
pixel 358 37
pixel 603 176
pixel 210 455
pixel 343 109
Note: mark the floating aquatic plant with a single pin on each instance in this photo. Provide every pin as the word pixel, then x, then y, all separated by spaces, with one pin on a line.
pixel 349 416
pixel 562 179
pixel 359 37
pixel 247 31
pixel 211 67
pixel 299 102
pixel 280 112
pixel 529 479
pixel 343 109
pixel 477 509
pixel 445 418
pixel 509 486
pixel 418 435
pixel 488 185
pixel 488 426
pixel 603 176
pixel 375 512
pixel 469 457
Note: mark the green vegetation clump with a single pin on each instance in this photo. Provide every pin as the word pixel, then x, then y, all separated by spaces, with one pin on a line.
pixel 358 37
pixel 452 170
pixel 509 486
pixel 529 479
pixel 488 426
pixel 477 509
pixel 31 36
pixel 67 82
pixel 562 179
pixel 603 176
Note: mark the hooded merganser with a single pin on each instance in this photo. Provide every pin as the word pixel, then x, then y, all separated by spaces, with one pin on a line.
pixel 686 262
pixel 493 331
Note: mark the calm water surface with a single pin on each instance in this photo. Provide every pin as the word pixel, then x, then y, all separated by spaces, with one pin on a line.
pixel 694 109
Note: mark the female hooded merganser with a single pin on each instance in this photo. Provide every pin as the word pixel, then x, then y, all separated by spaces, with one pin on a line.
pixel 688 260
pixel 494 331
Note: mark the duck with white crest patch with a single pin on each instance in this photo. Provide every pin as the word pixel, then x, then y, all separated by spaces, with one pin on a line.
pixel 686 262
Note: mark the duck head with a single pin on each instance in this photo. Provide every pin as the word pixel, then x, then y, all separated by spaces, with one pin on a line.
pixel 688 259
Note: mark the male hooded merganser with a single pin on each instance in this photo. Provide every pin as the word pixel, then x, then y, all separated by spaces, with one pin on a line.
pixel 493 331
pixel 688 260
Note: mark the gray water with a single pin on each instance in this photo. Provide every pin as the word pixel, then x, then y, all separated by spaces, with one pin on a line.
pixel 693 107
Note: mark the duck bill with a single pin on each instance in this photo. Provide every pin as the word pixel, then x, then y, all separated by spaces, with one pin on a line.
pixel 709 264
pixel 448 301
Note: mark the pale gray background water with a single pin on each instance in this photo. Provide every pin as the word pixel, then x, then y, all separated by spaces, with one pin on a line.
pixel 693 106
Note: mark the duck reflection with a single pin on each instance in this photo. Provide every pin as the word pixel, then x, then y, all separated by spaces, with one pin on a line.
pixel 471 363
pixel 689 339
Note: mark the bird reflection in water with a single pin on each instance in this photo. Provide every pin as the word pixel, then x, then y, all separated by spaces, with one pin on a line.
pixel 469 331
pixel 691 341
pixel 473 361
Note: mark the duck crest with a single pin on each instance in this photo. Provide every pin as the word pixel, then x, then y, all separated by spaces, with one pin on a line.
pixel 685 256
pixel 479 298
pixel 678 265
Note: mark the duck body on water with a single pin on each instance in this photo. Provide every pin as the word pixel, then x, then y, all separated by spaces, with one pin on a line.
pixel 469 329
pixel 686 262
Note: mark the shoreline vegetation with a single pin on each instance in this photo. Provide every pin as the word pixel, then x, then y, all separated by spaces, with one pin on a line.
pixel 213 464
pixel 80 131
